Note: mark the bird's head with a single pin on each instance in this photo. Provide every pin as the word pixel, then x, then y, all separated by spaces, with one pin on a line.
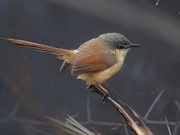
pixel 117 41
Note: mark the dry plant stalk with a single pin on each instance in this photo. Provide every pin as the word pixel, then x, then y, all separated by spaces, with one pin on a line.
pixel 71 126
pixel 74 128
pixel 143 130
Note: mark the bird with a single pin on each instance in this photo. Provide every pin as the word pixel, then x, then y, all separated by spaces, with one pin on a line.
pixel 94 62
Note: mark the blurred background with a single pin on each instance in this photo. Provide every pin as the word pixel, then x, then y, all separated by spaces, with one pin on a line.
pixel 31 84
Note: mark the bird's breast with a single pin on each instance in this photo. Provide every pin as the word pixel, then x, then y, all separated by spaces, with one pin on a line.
pixel 94 78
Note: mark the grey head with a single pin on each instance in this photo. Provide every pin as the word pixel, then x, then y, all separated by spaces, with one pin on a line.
pixel 116 41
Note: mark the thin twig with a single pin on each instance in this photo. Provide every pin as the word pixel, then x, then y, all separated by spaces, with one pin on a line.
pixel 153 104
pixel 40 131
pixel 177 104
pixel 176 128
pixel 15 109
pixel 153 122
pixel 88 107
pixel 129 120
pixel 147 130
pixel 169 130
pixel 175 132
pixel 125 128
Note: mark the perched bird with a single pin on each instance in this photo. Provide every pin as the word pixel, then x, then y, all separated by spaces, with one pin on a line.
pixel 94 61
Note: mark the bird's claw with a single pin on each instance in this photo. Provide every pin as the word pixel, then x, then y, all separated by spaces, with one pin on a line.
pixel 98 91
pixel 104 98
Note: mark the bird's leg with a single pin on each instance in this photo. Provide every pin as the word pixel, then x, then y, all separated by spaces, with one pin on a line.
pixel 103 89
pixel 95 89
pixel 105 92
pixel 100 90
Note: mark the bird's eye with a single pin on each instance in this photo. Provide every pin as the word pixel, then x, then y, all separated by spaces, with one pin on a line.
pixel 121 47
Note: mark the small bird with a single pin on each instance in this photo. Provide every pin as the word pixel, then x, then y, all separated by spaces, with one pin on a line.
pixel 95 61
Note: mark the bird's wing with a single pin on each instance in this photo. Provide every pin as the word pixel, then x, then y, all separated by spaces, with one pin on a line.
pixel 92 61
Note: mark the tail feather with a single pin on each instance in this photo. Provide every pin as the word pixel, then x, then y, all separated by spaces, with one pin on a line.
pixel 64 54
pixel 39 47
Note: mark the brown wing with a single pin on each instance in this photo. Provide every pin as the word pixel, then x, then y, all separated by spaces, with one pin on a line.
pixel 87 62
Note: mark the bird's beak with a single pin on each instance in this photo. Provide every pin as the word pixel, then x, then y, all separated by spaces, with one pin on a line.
pixel 133 45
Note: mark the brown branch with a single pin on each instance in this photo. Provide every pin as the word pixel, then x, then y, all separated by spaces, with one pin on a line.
pixel 147 130
pixel 129 120
pixel 132 124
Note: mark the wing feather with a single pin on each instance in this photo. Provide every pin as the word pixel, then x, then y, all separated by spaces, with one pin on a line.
pixel 86 62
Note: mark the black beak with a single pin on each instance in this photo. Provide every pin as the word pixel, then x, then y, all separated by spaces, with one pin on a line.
pixel 133 45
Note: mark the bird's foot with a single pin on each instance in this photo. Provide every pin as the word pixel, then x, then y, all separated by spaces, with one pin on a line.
pixel 104 98
pixel 101 91
pixel 94 89
pixel 105 93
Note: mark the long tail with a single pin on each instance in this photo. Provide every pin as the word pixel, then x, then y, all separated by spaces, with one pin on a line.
pixel 39 47
pixel 64 54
